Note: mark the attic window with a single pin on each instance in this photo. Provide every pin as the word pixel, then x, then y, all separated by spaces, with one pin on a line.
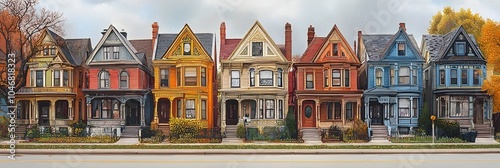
pixel 51 50
pixel 460 48
pixel 186 45
pixel 116 52
pixel 401 49
pixel 257 49
pixel 335 49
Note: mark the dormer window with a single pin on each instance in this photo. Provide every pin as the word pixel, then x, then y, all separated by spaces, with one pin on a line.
pixel 257 48
pixel 186 46
pixel 116 52
pixel 50 50
pixel 335 49
pixel 460 48
pixel 105 53
pixel 401 49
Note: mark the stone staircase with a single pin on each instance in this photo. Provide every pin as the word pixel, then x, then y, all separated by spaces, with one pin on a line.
pixel 483 131
pixel 165 128
pixel 231 134
pixel 311 135
pixel 379 132
pixel 20 131
pixel 131 132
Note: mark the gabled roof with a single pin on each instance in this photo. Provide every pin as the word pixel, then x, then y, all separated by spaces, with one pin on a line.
pixel 438 45
pixel 144 46
pixel 376 44
pixel 164 42
pixel 61 43
pixel 79 49
pixel 311 50
pixel 233 44
pixel 413 47
pixel 130 48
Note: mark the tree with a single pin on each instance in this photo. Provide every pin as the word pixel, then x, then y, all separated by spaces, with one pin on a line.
pixel 449 19
pixel 424 120
pixel 21 24
pixel 490 43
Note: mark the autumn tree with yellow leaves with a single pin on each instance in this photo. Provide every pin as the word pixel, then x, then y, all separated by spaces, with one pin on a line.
pixel 490 46
pixel 449 19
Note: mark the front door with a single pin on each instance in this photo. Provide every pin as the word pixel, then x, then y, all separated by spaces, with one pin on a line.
pixel 133 112
pixel 43 112
pixel 231 112
pixel 308 116
pixel 376 113
pixel 478 111
pixel 164 110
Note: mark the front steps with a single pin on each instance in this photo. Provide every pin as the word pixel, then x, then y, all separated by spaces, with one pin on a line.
pixel 483 131
pixel 131 132
pixel 311 135
pixel 231 134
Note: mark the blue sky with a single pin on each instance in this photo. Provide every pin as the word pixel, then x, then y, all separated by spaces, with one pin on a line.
pixel 87 18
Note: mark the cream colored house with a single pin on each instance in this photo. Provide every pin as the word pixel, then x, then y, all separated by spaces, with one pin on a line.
pixel 254 79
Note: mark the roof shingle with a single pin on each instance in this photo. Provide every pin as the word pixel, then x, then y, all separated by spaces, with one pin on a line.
pixel 311 50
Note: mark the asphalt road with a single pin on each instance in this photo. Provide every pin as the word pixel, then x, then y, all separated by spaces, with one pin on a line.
pixel 243 161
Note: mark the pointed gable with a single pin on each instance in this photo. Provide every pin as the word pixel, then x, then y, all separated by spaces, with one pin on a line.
pixel 114 41
pixel 334 47
pixel 256 44
pixel 185 43
pixel 460 46
pixel 62 55
pixel 401 47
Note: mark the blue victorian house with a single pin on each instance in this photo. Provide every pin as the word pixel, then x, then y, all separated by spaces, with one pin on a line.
pixel 391 74
pixel 454 74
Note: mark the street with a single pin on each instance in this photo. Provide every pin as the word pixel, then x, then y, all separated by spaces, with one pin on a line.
pixel 245 160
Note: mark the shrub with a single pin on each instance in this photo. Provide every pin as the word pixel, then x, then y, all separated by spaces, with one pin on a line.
pixel 450 129
pixel 334 132
pixel 241 131
pixel 359 131
pixel 290 123
pixel 79 128
pixel 95 139
pixel 424 120
pixel 4 126
pixel 32 131
pixel 184 128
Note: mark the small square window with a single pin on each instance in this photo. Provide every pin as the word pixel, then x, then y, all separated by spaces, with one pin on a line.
pixel 257 48
pixel 401 49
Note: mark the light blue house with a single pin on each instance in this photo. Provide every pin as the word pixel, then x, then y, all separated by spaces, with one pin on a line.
pixel 391 74
pixel 455 72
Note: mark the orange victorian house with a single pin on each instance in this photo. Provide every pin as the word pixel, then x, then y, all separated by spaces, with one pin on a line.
pixel 327 85
pixel 184 70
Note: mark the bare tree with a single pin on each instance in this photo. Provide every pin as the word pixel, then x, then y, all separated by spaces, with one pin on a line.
pixel 21 24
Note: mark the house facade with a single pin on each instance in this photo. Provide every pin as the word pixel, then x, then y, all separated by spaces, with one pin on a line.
pixel 185 73
pixel 52 96
pixel 392 76
pixel 119 84
pixel 254 78
pixel 327 82
pixel 454 74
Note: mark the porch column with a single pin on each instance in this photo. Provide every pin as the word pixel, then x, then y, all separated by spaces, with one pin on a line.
pixel 318 115
pixel 89 111
pixel 30 113
pixel 123 115
pixel 367 112
pixel 70 110
pixel 52 113
pixel 343 115
pixel 143 122
pixel 240 111
pixel 358 109
pixel 154 124
pixel 223 114
pixel 411 108
pixel 35 110
pixel 299 114
pixel 170 109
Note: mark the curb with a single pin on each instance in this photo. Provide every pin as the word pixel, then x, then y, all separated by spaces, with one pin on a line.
pixel 245 151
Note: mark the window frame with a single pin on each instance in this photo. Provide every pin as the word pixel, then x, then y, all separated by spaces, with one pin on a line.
pixel 164 77
pixel 190 109
pixel 256 47
pixel 414 76
pixel 335 49
pixel 458 49
pixel 379 77
pixel 466 73
pixel 203 76
pixel 311 81
pixel 39 82
pixel 65 78
pixel 337 110
pixel 116 52
pixel 453 80
pixel 392 75
pixel 270 109
pixel 476 80
pixel 104 77
pixel 403 76
pixel 334 78
pixel 347 78
pixel 106 53
pixel 402 114
pixel 401 49
pixel 261 79
pixel 62 109
pixel 124 74
pixel 349 111
pixel 57 78
pixel 252 76
pixel 279 79
pixel 325 75
pixel 235 82
pixel 191 77
pixel 442 77
pixel 203 104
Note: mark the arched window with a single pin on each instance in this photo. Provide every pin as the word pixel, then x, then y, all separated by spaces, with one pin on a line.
pixel 123 79
pixel 280 77
pixel 378 77
pixel 252 77
pixel 104 79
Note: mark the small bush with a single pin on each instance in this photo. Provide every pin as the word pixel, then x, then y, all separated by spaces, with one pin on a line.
pixel 32 131
pixel 4 127
pixel 79 128
pixel 184 128
pixel 241 131
pixel 359 131
pixel 450 129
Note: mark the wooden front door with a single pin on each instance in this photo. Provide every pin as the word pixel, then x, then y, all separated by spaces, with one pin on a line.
pixel 308 116
pixel 43 112
pixel 133 112
pixel 478 111
pixel 164 110
pixel 231 112
pixel 376 113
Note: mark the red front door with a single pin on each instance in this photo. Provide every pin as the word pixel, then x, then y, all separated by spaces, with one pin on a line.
pixel 308 115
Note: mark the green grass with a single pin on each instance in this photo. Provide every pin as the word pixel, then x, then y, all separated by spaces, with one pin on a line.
pixel 440 146
pixel 426 139
pixel 498 140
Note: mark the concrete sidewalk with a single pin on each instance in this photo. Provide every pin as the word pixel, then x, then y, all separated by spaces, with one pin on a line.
pixel 245 151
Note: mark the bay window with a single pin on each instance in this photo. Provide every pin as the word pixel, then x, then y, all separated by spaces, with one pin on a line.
pixel 57 78
pixel 336 77
pixel 190 109
pixel 404 76
pixel 347 76
pixel 190 77
pixel 266 78
pixel 404 107
pixel 453 74
pixel 280 77
pixel 270 109
pixel 459 106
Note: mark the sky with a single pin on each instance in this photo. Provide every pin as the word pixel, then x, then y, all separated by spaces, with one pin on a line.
pixel 87 18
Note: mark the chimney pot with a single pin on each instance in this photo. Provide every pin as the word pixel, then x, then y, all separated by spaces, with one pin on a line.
pixel 154 33
pixel 310 34
pixel 402 26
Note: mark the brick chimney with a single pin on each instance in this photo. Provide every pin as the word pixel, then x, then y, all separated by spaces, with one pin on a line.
pixel 223 33
pixel 402 26
pixel 355 51
pixel 310 34
pixel 154 33
pixel 288 41
pixel 360 35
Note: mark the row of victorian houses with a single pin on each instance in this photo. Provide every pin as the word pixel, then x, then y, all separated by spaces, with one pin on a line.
pixel 384 80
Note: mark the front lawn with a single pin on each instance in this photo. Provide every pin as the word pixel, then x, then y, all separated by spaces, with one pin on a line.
pixel 426 139
pixel 96 139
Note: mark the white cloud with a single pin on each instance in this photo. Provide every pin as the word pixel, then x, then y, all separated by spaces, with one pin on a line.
pixel 87 18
